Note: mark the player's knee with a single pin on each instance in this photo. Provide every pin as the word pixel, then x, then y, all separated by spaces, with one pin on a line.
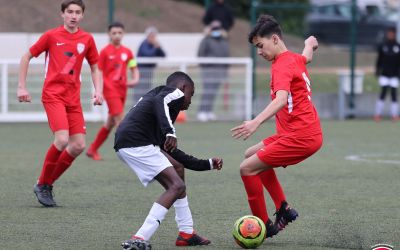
pixel 179 187
pixel 61 142
pixel 78 147
pixel 245 169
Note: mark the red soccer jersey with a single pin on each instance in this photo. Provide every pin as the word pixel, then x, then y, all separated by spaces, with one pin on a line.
pixel 299 116
pixel 113 62
pixel 64 56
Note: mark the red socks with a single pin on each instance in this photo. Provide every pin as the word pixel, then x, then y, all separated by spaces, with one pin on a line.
pixel 49 165
pixel 63 163
pixel 271 183
pixel 255 196
pixel 100 138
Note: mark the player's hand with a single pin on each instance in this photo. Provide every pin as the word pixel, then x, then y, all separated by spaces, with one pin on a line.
pixel 245 130
pixel 132 83
pixel 312 42
pixel 170 144
pixel 217 163
pixel 23 95
pixel 97 98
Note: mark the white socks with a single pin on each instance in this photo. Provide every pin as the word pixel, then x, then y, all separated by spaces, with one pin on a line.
pixel 153 220
pixel 394 109
pixel 379 107
pixel 183 216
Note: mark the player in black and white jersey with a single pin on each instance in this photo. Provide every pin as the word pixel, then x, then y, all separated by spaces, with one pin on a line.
pixel 146 141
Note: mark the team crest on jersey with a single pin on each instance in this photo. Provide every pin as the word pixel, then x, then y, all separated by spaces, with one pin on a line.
pixel 124 56
pixel 80 47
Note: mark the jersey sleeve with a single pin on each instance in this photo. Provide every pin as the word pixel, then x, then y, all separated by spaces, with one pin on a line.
pixel 92 56
pixel 282 77
pixel 102 58
pixel 41 45
pixel 162 111
pixel 189 161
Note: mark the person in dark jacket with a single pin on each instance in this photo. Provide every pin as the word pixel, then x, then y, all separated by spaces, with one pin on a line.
pixel 150 47
pixel 388 72
pixel 214 44
pixel 146 142
pixel 221 12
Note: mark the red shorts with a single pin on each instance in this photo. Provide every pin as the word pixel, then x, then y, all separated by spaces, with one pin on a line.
pixel 115 105
pixel 288 150
pixel 62 117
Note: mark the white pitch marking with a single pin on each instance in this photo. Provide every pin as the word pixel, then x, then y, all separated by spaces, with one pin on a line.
pixel 364 158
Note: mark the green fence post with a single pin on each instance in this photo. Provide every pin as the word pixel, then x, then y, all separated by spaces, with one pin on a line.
pixel 353 36
pixel 110 11
pixel 253 18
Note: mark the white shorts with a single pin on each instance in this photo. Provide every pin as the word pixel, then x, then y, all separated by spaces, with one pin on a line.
pixel 147 161
pixel 388 81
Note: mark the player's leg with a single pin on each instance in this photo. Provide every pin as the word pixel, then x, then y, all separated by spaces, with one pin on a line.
pixel 268 177
pixel 174 186
pixel 56 114
pixel 249 170
pixel 183 216
pixel 150 164
pixel 394 108
pixel 380 103
pixel 76 141
pixel 253 149
pixel 115 115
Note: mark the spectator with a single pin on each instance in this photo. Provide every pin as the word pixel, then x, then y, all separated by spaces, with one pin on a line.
pixel 388 71
pixel 150 47
pixel 214 44
pixel 221 12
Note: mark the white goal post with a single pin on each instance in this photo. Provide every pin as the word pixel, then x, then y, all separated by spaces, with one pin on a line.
pixel 233 99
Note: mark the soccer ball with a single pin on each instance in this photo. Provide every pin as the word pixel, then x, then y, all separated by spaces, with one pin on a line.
pixel 249 231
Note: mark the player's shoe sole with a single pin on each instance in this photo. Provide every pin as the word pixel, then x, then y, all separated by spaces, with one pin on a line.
pixel 136 244
pixel 194 240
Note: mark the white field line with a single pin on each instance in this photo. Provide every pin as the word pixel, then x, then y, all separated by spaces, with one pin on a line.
pixel 381 158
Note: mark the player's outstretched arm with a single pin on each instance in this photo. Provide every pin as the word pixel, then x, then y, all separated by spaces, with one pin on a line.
pixel 195 164
pixel 310 45
pixel 246 129
pixel 98 85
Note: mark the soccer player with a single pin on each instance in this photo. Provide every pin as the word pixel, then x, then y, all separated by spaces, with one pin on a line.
pixel 66 47
pixel 387 71
pixel 298 135
pixel 146 142
pixel 113 62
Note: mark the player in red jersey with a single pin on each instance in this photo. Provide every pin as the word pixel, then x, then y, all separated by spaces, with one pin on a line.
pixel 66 47
pixel 113 61
pixel 298 131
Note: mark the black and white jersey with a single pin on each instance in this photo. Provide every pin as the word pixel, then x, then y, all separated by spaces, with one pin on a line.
pixel 151 119
pixel 388 61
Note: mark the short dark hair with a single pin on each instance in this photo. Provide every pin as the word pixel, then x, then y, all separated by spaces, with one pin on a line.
pixel 391 29
pixel 67 3
pixel 175 78
pixel 116 25
pixel 266 26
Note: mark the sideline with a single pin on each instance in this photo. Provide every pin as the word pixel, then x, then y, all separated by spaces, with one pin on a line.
pixel 365 158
